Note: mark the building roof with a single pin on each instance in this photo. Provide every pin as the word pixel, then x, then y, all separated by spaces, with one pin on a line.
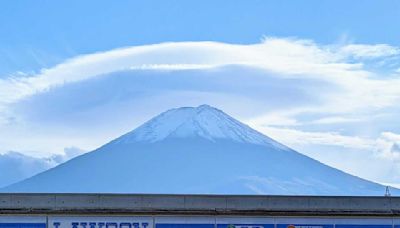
pixel 22 203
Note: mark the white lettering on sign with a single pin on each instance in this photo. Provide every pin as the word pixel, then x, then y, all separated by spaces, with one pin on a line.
pixel 100 222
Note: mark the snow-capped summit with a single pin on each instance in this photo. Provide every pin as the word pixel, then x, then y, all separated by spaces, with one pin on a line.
pixel 203 121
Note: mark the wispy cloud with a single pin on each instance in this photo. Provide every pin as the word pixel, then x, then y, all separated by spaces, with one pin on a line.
pixel 386 146
pixel 369 51
pixel 289 57
pixel 299 137
pixel 335 120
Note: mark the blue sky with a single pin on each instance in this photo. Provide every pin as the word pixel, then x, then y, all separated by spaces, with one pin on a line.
pixel 40 34
pixel 319 76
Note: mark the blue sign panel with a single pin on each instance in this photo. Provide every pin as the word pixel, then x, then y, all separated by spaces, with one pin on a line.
pixel 22 225
pixel 304 225
pixel 245 226
pixel 164 225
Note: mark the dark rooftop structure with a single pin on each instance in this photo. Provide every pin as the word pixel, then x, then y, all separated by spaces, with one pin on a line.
pixel 198 205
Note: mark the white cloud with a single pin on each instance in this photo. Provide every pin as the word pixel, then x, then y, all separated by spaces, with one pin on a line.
pixel 275 119
pixel 288 57
pixel 388 146
pixel 69 153
pixel 335 120
pixel 288 118
pixel 369 51
pixel 15 166
pixel 292 137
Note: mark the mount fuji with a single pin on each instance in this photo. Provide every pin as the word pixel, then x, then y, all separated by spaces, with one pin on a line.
pixel 196 150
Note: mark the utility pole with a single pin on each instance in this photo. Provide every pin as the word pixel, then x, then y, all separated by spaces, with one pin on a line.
pixel 387 192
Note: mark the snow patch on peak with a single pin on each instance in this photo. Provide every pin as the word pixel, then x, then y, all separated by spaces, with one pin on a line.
pixel 203 121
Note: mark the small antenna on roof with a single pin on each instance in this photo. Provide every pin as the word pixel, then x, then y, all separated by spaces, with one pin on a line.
pixel 387 192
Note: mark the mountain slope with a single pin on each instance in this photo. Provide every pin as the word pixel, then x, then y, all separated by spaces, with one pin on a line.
pixel 197 150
